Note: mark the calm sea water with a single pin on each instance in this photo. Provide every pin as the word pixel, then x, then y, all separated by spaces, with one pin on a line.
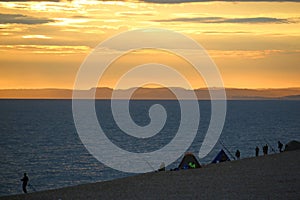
pixel 39 137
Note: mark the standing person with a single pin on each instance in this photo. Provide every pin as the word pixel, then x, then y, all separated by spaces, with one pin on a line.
pixel 264 149
pixel 238 154
pixel 280 145
pixel 267 149
pixel 25 180
pixel 256 151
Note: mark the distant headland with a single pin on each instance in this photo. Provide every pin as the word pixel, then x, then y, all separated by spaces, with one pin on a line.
pixel 152 93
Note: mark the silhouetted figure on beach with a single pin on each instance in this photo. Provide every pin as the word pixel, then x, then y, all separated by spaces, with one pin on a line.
pixel 280 145
pixel 256 151
pixel 237 154
pixel 265 149
pixel 25 180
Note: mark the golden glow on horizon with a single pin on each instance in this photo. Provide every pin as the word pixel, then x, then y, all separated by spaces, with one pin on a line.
pixel 133 59
pixel 254 44
pixel 36 36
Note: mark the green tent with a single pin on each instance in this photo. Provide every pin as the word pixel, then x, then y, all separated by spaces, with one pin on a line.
pixel 189 161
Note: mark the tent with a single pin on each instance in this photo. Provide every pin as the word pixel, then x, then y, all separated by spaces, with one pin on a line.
pixel 189 161
pixel 292 145
pixel 221 157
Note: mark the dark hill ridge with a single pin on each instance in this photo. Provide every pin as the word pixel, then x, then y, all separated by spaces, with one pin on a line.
pixel 151 93
pixel 275 176
pixel 292 97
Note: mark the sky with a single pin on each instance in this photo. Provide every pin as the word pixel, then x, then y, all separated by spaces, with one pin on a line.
pixel 253 44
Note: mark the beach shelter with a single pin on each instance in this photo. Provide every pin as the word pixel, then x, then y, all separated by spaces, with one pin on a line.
pixel 221 157
pixel 292 145
pixel 189 161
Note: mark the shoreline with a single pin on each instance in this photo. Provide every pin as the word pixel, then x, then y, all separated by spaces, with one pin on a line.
pixel 275 176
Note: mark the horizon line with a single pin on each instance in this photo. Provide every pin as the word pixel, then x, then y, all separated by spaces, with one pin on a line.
pixel 242 88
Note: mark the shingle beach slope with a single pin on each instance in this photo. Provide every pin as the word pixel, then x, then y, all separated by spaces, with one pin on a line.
pixel 267 177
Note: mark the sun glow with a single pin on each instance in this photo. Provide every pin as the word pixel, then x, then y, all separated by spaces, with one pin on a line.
pixel 36 36
pixel 253 46
pixel 39 6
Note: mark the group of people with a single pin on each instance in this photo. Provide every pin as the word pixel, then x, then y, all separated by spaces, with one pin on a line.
pixel 266 149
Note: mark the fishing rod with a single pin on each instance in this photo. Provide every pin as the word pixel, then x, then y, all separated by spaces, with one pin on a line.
pixel 149 164
pixel 269 145
pixel 33 188
pixel 227 150
pixel 30 185
pixel 19 175
pixel 144 159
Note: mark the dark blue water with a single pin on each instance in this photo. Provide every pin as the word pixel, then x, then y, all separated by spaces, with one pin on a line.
pixel 39 137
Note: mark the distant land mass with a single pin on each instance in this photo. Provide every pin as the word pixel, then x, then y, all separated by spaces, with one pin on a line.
pixel 152 93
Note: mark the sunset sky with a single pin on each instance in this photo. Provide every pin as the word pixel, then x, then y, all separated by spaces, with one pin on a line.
pixel 254 44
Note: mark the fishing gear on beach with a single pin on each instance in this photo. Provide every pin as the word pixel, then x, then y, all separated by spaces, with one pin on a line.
pixel 24 185
pixel 32 187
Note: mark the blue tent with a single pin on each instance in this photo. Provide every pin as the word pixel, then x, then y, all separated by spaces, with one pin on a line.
pixel 221 157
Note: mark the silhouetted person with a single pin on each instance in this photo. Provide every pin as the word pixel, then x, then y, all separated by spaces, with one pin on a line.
pixel 237 154
pixel 280 145
pixel 256 151
pixel 265 149
pixel 25 180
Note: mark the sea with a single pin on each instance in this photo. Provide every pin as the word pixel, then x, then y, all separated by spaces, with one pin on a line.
pixel 39 137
